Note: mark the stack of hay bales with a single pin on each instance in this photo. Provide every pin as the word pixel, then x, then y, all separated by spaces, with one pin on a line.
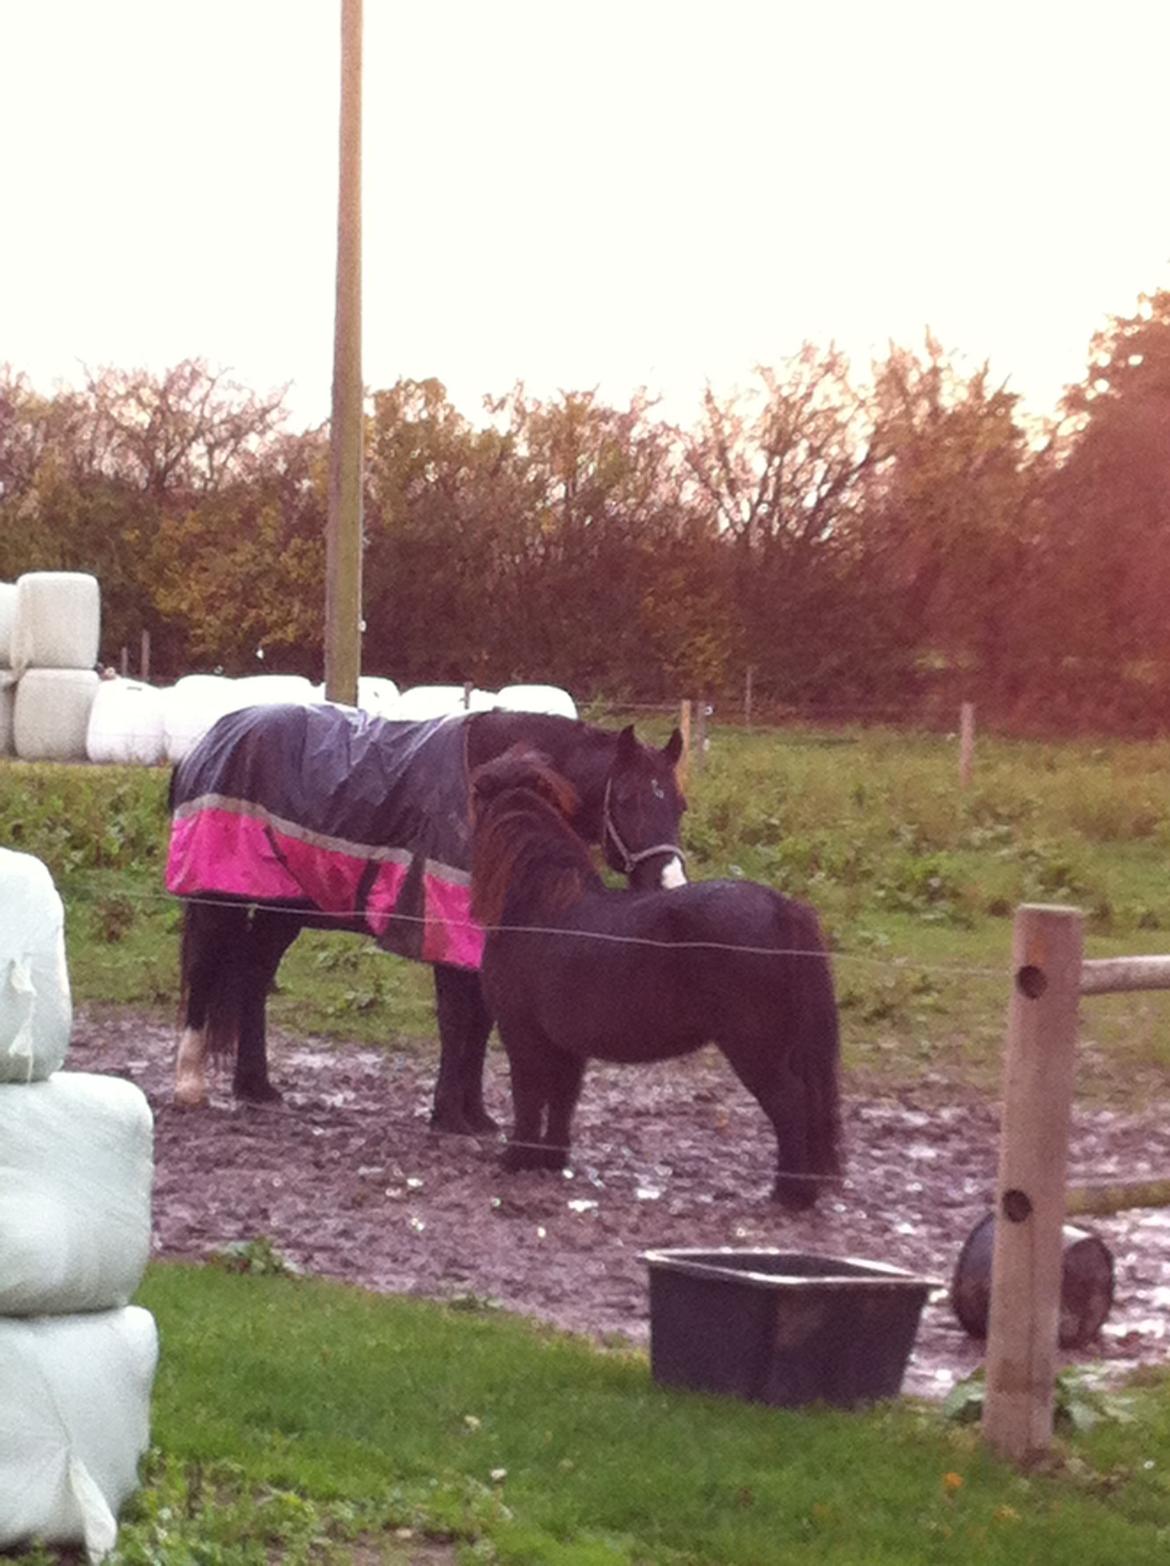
pixel 7 678
pixel 77 1360
pixel 56 628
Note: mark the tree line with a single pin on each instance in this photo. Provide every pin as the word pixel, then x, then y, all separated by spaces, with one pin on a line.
pixel 906 540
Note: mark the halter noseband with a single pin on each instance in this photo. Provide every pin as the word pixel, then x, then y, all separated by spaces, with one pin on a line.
pixel 628 860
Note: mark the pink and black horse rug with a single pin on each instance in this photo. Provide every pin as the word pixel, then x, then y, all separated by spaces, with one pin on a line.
pixel 328 809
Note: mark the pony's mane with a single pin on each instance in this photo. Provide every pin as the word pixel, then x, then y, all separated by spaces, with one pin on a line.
pixel 525 858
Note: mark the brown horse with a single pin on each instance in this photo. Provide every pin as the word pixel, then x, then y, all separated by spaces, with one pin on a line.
pixel 573 970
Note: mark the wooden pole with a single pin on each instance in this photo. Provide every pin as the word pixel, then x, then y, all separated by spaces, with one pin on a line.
pixel 1028 1257
pixel 966 743
pixel 343 551
pixel 144 658
pixel 124 662
pixel 747 696
pixel 700 733
pixel 684 723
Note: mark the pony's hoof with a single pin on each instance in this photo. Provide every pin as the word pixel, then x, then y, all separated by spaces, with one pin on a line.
pixel 257 1093
pixel 481 1123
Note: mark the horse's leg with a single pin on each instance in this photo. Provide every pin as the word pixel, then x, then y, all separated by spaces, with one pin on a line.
pixel 780 1092
pixel 534 1082
pixel 464 1026
pixel 210 946
pixel 270 934
pixel 565 1074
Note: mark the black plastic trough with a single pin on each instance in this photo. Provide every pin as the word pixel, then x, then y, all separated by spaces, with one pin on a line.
pixel 782 1327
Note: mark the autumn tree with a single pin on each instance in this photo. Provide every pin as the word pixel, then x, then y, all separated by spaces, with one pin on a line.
pixel 775 473
pixel 1107 561
pixel 950 521
pixel 239 570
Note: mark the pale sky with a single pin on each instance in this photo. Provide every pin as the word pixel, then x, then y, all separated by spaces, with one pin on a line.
pixel 611 194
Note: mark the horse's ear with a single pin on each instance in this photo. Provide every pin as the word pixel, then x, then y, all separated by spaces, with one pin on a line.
pixel 673 748
pixel 627 743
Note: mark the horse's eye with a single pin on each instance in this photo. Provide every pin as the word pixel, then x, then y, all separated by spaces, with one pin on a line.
pixel 656 789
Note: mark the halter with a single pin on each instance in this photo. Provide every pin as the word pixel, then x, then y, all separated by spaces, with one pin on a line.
pixel 626 859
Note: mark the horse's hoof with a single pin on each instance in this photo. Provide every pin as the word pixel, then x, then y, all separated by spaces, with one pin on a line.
pixel 188 1095
pixel 481 1123
pixel 261 1093
pixel 517 1159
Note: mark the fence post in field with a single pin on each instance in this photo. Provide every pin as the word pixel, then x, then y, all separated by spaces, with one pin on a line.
pixel 684 725
pixel 700 732
pixel 124 662
pixel 144 659
pixel 966 743
pixel 747 696
pixel 1028 1255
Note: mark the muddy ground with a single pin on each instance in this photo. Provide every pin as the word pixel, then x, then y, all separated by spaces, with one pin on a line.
pixel 346 1180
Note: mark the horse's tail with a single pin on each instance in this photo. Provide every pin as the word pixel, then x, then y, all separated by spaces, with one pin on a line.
pixel 211 958
pixel 816 1053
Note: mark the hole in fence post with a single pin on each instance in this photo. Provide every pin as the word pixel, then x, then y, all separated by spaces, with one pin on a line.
pixel 1017 1205
pixel 1030 981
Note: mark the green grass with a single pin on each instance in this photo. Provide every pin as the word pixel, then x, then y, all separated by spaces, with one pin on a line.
pixel 915 880
pixel 298 1420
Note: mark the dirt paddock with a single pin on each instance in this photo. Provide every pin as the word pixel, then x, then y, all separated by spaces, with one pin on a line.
pixel 345 1178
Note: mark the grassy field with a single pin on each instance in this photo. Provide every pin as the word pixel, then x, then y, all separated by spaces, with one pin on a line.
pixel 916 882
pixel 297 1421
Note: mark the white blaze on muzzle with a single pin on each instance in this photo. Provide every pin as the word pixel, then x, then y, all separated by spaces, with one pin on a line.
pixel 673 873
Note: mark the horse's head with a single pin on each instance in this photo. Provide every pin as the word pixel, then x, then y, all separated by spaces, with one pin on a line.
pixel 641 812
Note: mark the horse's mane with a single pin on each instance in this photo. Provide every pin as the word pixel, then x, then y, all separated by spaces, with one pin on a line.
pixel 525 858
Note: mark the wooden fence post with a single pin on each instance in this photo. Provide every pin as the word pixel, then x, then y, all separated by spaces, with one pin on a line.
pixel 966 743
pixel 747 696
pixel 144 658
pixel 684 724
pixel 1027 1259
pixel 700 733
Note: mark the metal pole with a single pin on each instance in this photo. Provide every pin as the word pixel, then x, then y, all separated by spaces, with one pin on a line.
pixel 343 546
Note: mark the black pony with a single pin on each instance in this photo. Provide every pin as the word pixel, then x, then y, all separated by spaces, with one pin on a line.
pixel 573 970
pixel 290 817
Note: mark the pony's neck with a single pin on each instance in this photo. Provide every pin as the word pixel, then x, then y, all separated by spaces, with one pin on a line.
pixel 527 863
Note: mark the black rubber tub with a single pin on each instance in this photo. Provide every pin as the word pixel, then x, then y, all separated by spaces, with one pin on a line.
pixel 782 1327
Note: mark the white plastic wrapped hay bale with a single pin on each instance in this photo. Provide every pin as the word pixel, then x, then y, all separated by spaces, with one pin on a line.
pixel 439 701
pixel 36 1009
pixel 268 690
pixel 190 707
pixel 7 714
pixel 51 717
pixel 127 725
pixel 376 695
pixel 197 701
pixel 76 1172
pixel 7 621
pixel 538 698
pixel 57 621
pixel 74 1422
